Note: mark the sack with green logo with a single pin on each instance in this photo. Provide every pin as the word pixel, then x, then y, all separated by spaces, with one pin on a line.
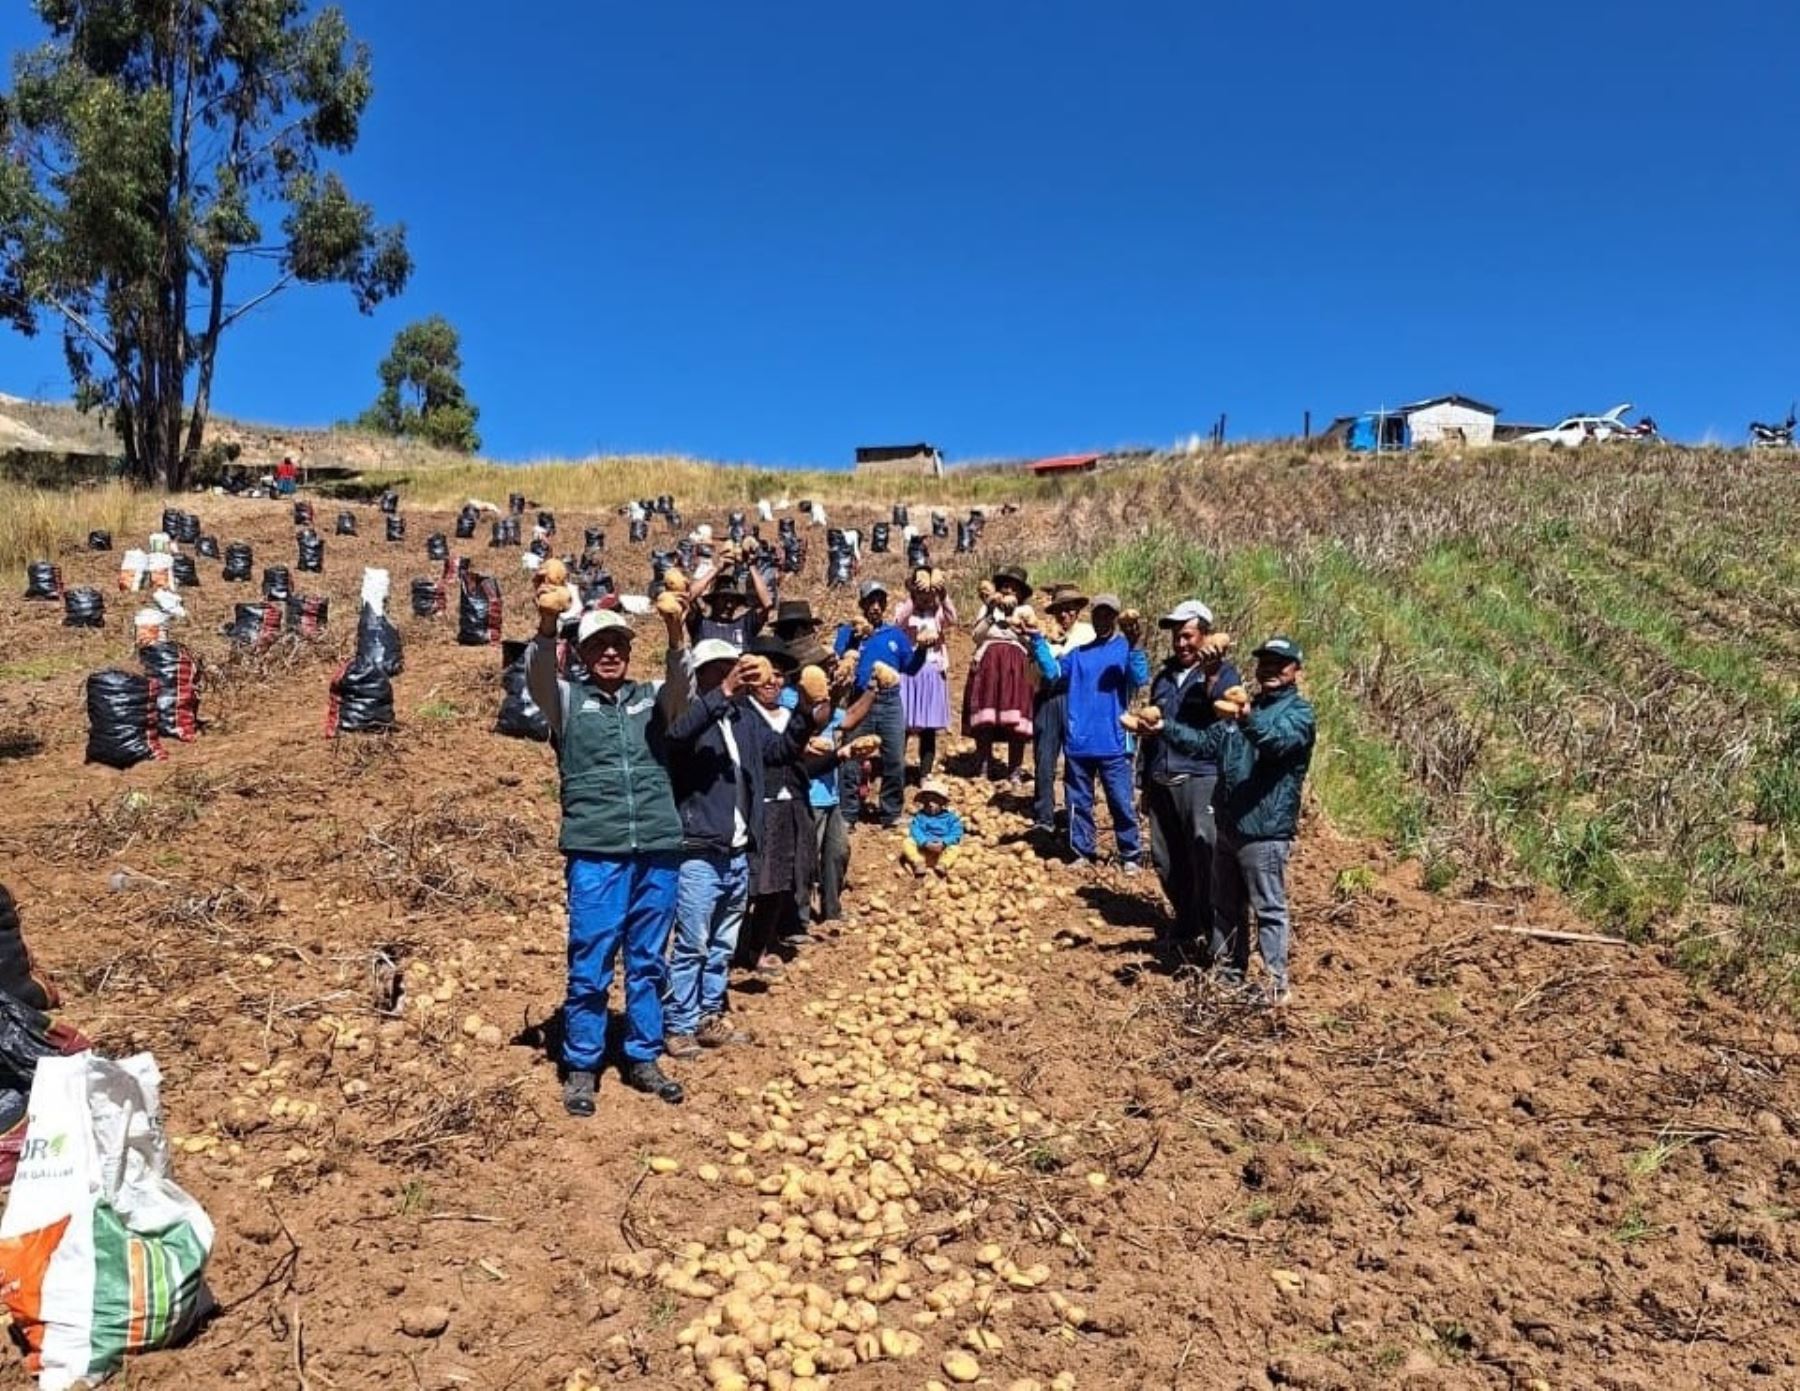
pixel 101 1252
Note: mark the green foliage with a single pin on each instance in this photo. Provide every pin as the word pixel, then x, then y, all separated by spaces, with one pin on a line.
pixel 149 145
pixel 421 389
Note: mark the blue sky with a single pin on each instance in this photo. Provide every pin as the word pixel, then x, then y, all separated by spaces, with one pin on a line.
pixel 772 232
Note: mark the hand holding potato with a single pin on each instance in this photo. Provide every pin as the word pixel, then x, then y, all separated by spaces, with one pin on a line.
pixel 670 605
pixel 1025 618
pixel 1131 624
pixel 885 676
pixel 554 599
pixel 675 580
pixel 552 572
pixel 814 685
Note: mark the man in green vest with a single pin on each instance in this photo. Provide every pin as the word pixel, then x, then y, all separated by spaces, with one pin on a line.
pixel 620 835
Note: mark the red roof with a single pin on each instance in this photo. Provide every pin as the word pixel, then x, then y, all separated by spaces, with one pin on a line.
pixel 1066 463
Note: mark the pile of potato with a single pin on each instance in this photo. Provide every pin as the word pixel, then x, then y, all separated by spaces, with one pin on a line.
pixel 874 1157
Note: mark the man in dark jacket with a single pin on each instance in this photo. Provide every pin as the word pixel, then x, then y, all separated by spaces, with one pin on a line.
pixel 620 836
pixel 1263 751
pixel 719 749
pixel 1178 789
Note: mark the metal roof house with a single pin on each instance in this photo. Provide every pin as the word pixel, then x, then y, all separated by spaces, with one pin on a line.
pixel 1066 463
pixel 1450 419
pixel 907 460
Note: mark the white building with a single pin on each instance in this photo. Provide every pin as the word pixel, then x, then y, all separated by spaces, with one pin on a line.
pixel 1449 420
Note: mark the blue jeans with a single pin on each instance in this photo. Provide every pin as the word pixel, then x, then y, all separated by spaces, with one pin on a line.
pixel 1253 874
pixel 888 719
pixel 709 911
pixel 1047 751
pixel 614 901
pixel 1114 773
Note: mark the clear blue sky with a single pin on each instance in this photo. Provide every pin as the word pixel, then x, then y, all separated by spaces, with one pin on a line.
pixel 771 232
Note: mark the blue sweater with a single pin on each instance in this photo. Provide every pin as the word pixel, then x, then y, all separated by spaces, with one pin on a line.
pixel 945 827
pixel 1102 675
pixel 887 643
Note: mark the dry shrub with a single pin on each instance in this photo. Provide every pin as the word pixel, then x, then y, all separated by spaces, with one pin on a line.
pixel 446 855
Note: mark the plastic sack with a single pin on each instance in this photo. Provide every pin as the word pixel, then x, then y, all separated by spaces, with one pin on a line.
pixel 878 538
pixel 171 521
pixel 122 722
pixel 346 524
pixel 84 608
pixel 177 674
pixel 306 614
pixel 940 524
pixel 478 611
pixel 593 539
pixel 102 1254
pixel 396 528
pixel 151 626
pixel 965 538
pixel 918 554
pixel 427 598
pixel 736 527
pixel 437 546
pixel 362 692
pixel 547 523
pixel 303 514
pixel 43 580
pixel 840 568
pixel 312 552
pixel 900 516
pixel 277 583
pixel 519 717
pixel 184 572
pixel 208 546
pixel 99 540
pixel 27 1037
pixel 378 640
pixel 515 504
pixel 131 571
pixel 638 532
pixel 19 976
pixel 253 625
pixel 239 559
pixel 465 523
pixel 390 502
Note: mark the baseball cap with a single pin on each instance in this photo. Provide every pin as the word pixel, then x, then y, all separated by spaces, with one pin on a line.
pixel 713 650
pixel 872 587
pixel 1107 601
pixel 1284 647
pixel 1186 612
pixel 601 621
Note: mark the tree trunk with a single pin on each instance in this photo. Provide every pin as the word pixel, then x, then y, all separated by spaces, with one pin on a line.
pixel 209 347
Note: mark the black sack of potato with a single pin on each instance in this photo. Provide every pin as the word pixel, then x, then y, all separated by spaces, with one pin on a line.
pixel 177 673
pixel 84 608
pixel 43 580
pixel 122 718
pixel 519 717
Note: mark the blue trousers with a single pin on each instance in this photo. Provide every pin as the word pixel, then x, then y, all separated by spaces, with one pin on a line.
pixel 1046 752
pixel 709 913
pixel 1114 774
pixel 616 901
pixel 888 719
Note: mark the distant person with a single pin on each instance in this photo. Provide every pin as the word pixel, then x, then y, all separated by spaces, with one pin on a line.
pixel 287 478
pixel 1263 748
pixel 724 609
pixel 620 836
pixel 927 615
pixel 997 699
pixel 1066 631
pixel 1178 788
pixel 1103 675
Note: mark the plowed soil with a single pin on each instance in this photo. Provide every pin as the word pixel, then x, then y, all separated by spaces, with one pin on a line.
pixel 985 1119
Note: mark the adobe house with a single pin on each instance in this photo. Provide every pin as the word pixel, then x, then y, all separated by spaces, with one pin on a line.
pixel 899 460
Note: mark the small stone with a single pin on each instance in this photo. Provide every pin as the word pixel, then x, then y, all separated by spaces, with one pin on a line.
pixel 424 1321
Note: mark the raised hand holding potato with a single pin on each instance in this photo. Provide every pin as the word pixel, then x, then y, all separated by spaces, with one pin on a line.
pixel 885 676
pixel 814 685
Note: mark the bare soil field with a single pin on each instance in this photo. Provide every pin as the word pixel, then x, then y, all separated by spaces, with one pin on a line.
pixel 986 1134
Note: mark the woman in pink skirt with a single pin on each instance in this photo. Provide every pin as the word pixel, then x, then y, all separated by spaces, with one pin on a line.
pixel 997 700
pixel 927 613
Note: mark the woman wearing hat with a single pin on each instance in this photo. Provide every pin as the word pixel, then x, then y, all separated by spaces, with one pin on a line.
pixel 997 700
pixel 782 873
pixel 927 615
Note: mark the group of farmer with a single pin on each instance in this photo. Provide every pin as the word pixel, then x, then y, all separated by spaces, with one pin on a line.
pixel 706 816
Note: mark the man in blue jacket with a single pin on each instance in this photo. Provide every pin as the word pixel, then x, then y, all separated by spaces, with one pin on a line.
pixel 1178 789
pixel 1102 676
pixel 620 836
pixel 718 750
pixel 1263 751
pixel 884 644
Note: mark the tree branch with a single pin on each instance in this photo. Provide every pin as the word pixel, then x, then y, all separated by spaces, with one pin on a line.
pixel 86 329
pixel 255 300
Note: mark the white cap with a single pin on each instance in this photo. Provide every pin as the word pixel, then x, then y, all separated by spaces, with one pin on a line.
pixel 1186 612
pixel 599 621
pixel 713 650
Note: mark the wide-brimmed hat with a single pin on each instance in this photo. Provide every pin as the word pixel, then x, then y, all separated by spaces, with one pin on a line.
pixel 932 787
pixel 1065 596
pixel 780 655
pixel 794 611
pixel 1012 577
pixel 810 653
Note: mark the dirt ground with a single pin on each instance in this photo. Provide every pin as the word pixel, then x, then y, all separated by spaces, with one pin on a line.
pixel 987 1121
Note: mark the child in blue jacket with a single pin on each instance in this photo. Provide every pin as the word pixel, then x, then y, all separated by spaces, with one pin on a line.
pixel 935 833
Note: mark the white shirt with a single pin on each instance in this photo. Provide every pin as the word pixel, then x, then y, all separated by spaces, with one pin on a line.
pixel 777 720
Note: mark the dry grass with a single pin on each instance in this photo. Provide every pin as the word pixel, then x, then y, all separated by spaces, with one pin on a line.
pixel 40 524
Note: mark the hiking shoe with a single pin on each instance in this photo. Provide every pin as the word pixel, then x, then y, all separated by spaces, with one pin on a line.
pixel 681 1046
pixel 716 1032
pixel 649 1078
pixel 578 1094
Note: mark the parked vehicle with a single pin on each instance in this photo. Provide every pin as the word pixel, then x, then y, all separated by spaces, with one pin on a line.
pixel 1765 436
pixel 1582 429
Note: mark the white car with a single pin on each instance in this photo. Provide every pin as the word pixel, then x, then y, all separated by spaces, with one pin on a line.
pixel 1580 429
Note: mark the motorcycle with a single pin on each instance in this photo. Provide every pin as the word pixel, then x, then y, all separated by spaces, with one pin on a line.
pixel 1766 436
